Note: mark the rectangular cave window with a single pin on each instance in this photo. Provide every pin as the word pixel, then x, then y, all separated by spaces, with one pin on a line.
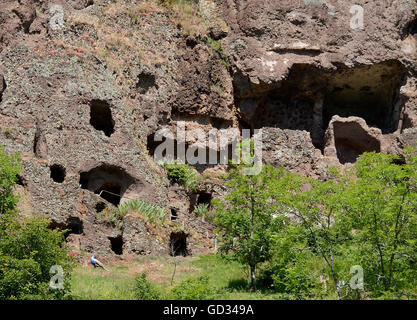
pixel 116 244
pixel 369 92
pixel 178 244
pixel 204 198
pixel 58 173
pixel 101 117
pixel 174 215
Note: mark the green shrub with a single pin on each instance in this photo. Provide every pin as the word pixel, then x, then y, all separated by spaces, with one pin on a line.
pixel 150 211
pixel 193 289
pixel 28 250
pixel 9 169
pixel 146 290
pixel 183 174
pixel 201 210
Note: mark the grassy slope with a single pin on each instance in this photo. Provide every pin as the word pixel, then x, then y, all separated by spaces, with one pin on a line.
pixel 118 283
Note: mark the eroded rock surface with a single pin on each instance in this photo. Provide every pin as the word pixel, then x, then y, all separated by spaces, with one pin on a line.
pixel 82 96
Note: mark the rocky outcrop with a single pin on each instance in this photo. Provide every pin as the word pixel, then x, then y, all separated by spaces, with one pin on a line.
pixel 85 85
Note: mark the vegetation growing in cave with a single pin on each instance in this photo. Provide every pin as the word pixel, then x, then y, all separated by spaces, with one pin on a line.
pixel 149 211
pixel 181 173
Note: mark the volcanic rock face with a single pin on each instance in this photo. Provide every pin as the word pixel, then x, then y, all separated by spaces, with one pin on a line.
pixel 82 95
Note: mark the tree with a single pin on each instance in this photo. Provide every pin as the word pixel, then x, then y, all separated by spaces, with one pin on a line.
pixel 28 249
pixel 246 219
pixel 315 210
pixel 381 208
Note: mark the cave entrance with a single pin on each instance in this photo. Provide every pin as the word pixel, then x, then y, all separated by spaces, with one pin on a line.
pixel 116 244
pixel 370 92
pixel 100 206
pixel 200 198
pixel 145 82
pixel 110 191
pixel 3 87
pixel 101 117
pixel 351 140
pixel 311 96
pixel 174 215
pixel 411 28
pixel 294 104
pixel 204 198
pixel 21 181
pixel 178 244
pixel 110 182
pixel 73 225
pixel 58 173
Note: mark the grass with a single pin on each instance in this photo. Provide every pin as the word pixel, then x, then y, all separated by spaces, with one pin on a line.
pixel 149 211
pixel 118 284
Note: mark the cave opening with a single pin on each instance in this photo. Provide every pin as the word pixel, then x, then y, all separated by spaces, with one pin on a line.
pixel 370 92
pixel 310 97
pixel 111 192
pixel 294 104
pixel 3 87
pixel 411 28
pixel 101 117
pixel 21 181
pixel 100 206
pixel 178 244
pixel 200 198
pixel 58 173
pixel 204 198
pixel 73 225
pixel 108 181
pixel 351 140
pixel 174 214
pixel 116 244
pixel 145 82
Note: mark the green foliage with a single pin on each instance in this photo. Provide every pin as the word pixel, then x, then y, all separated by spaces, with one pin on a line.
pixel 146 290
pixel 292 270
pixel 246 220
pixel 9 169
pixel 381 203
pixel 183 174
pixel 28 249
pixel 303 230
pixel 197 288
pixel 150 211
pixel 201 209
